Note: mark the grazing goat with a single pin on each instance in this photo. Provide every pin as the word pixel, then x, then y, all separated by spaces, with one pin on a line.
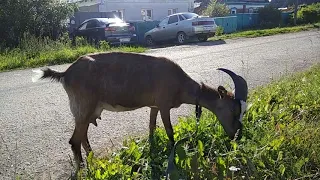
pixel 127 81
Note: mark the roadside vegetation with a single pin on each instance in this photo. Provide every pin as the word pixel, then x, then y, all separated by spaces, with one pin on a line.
pixel 308 18
pixel 263 32
pixel 35 52
pixel 281 140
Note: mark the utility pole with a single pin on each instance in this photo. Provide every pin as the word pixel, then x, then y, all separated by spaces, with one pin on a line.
pixel 295 12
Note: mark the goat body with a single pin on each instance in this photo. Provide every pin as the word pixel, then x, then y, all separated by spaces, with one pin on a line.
pixel 118 82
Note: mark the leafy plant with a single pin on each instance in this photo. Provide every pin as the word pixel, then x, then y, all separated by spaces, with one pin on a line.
pixel 219 31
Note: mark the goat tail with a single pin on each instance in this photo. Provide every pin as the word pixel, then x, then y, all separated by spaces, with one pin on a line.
pixel 47 73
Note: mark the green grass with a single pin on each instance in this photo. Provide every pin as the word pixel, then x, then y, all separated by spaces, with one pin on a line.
pixel 34 52
pixel 265 32
pixel 281 140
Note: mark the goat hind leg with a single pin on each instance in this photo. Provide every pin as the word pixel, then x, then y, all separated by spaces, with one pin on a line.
pixel 75 142
pixel 85 142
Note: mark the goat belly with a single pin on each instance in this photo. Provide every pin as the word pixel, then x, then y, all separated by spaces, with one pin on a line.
pixel 117 108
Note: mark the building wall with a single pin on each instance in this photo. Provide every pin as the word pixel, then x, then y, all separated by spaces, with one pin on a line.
pixel 159 10
pixel 90 8
pixel 132 8
pixel 132 11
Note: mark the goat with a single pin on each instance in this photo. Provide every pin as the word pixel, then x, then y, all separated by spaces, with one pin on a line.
pixel 117 81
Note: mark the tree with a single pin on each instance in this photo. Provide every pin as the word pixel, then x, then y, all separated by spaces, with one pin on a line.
pixel 36 17
pixel 269 16
pixel 216 9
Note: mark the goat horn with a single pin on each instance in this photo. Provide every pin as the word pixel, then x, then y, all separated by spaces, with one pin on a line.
pixel 241 87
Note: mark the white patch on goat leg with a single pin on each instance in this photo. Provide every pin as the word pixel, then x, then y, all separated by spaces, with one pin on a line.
pixel 243 109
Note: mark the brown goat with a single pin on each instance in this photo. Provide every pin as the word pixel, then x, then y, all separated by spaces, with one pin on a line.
pixel 127 81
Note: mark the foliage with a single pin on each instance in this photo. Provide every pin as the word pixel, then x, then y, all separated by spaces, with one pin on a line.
pixel 219 31
pixel 269 17
pixel 37 17
pixel 281 140
pixel 216 9
pixel 309 14
pixel 34 52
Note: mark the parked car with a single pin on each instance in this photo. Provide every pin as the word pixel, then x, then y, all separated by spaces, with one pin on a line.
pixel 181 26
pixel 112 30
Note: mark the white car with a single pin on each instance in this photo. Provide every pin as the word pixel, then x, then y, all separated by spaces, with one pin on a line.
pixel 181 26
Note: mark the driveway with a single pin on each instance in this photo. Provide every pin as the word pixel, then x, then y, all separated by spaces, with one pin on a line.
pixel 36 123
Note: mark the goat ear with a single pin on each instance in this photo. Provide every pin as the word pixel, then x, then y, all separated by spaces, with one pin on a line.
pixel 222 91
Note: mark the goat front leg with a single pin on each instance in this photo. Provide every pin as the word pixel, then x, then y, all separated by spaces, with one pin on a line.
pixel 165 116
pixel 152 124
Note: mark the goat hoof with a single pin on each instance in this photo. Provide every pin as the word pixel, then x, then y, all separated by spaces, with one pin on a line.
pixel 82 165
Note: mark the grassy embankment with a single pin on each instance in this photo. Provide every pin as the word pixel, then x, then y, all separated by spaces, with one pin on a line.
pixel 281 140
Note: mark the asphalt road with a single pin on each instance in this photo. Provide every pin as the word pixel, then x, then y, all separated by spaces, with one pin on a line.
pixel 36 124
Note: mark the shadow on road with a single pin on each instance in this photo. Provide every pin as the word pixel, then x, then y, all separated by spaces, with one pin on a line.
pixel 189 43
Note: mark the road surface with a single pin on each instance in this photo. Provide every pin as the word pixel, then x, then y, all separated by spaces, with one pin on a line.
pixel 36 122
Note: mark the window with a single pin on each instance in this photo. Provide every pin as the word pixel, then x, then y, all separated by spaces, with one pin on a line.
pixel 121 13
pixel 189 15
pixel 172 11
pixel 234 10
pixel 163 22
pixel 173 19
pixel 181 18
pixel 83 26
pixel 146 14
pixel 92 24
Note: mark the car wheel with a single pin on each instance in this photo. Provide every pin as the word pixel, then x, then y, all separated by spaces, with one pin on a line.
pixel 203 38
pixel 149 41
pixel 181 37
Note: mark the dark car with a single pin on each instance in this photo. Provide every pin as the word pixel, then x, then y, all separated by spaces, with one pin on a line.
pixel 112 30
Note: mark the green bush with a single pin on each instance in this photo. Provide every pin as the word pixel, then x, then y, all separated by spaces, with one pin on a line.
pixel 309 14
pixel 281 140
pixel 219 31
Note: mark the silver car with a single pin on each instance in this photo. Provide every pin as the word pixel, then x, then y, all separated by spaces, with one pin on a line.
pixel 180 27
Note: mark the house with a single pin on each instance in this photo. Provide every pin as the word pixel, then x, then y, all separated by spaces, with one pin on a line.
pixel 137 10
pixel 245 6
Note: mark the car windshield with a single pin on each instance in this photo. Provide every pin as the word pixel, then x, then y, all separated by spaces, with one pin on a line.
pixel 189 15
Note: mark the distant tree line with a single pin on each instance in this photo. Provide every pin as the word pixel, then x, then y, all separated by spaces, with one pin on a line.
pixel 41 18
